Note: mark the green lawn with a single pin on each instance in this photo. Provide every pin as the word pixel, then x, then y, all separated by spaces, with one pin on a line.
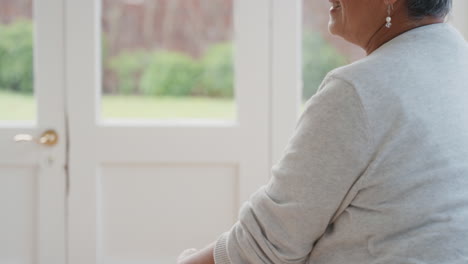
pixel 119 106
pixel 22 107
pixel 16 106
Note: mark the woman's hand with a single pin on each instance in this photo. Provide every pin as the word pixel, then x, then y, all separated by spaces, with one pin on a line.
pixel 193 256
pixel 186 253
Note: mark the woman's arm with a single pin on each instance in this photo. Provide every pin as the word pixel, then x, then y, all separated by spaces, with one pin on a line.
pixel 328 152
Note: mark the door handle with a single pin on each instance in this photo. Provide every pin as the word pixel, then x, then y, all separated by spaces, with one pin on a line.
pixel 49 138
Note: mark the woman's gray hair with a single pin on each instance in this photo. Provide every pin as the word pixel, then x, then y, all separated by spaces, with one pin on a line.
pixel 422 8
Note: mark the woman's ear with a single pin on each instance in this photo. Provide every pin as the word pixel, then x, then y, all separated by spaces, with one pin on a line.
pixel 390 2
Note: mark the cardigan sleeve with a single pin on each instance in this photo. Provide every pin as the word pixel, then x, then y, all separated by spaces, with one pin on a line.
pixel 327 153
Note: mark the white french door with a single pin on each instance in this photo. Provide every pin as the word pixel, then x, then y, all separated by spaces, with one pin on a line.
pixel 33 173
pixel 141 192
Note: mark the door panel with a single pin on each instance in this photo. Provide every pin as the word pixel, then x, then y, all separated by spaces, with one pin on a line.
pixel 145 208
pixel 18 193
pixel 143 190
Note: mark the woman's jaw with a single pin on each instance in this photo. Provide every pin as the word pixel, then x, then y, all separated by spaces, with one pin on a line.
pixel 336 16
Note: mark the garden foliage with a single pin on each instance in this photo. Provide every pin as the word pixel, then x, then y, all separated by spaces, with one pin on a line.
pixel 16 56
pixel 161 72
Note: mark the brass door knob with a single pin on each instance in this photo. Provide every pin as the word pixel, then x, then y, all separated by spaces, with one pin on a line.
pixel 49 138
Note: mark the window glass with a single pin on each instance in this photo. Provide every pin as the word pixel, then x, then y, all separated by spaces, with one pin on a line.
pixel 16 61
pixel 322 52
pixel 167 59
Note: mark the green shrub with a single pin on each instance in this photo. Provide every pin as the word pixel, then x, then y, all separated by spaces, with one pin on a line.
pixel 16 56
pixel 319 58
pixel 218 71
pixel 170 73
pixel 128 67
pixel 176 74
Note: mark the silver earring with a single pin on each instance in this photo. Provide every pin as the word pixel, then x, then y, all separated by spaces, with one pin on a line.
pixel 389 18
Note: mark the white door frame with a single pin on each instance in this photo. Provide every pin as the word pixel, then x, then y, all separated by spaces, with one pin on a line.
pixel 48 163
pixel 286 72
pixel 50 95
pixel 459 17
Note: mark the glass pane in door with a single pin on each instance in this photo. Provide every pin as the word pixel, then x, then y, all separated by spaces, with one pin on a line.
pixel 167 59
pixel 322 52
pixel 16 61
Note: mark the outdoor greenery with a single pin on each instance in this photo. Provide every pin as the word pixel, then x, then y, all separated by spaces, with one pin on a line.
pixel 128 67
pixel 161 73
pixel 217 79
pixel 170 73
pixel 156 84
pixel 16 56
pixel 319 58
pixel 167 107
pixel 16 106
pixel 175 74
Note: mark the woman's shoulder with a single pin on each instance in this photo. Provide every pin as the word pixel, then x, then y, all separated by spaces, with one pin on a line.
pixel 408 56
pixel 359 73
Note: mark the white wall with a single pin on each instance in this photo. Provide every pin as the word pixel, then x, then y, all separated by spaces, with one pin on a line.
pixel 459 16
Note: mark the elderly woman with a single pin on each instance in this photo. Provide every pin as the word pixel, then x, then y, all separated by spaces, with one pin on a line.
pixel 377 169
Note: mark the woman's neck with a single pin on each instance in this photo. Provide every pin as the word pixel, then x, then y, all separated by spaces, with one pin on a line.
pixel 401 23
